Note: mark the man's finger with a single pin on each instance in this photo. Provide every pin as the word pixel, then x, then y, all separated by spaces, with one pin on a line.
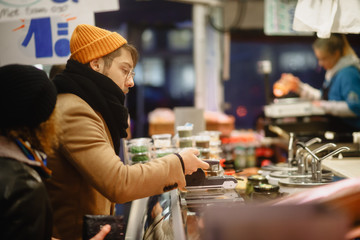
pixel 103 232
pixel 204 165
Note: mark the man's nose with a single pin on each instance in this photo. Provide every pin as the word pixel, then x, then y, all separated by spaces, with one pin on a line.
pixel 130 82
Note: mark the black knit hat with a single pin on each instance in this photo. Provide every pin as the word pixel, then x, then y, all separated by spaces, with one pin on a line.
pixel 27 96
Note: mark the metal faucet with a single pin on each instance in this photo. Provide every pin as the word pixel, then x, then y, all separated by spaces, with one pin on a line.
pixel 316 168
pixel 308 157
pixel 300 156
pixel 291 152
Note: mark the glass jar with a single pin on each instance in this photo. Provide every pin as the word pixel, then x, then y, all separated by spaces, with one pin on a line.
pixel 265 192
pixel 252 181
pixel 250 157
pixel 214 168
pixel 239 158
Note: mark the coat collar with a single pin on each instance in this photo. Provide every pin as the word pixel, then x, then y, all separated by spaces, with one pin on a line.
pixel 9 149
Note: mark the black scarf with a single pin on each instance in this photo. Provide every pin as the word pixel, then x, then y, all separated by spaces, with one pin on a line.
pixel 100 92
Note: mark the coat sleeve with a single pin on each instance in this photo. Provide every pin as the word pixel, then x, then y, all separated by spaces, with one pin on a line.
pixel 86 144
pixel 308 92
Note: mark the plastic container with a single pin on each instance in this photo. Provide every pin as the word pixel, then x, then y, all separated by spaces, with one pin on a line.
pixel 140 141
pixel 215 144
pixel 134 148
pixel 204 153
pixel 214 135
pixel 184 131
pixel 140 157
pixel 215 153
pixel 139 150
pixel 161 140
pixel 202 141
pixel 185 142
pixel 163 152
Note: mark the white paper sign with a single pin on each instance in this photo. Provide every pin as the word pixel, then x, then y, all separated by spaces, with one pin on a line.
pixel 23 9
pixel 279 15
pixel 39 40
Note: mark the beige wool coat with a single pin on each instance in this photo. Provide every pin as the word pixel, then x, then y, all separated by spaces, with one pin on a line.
pixel 88 177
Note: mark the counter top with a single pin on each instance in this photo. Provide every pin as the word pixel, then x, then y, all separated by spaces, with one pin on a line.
pixel 347 167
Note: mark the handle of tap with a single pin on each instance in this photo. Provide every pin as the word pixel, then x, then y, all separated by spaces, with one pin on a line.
pixel 312 141
pixel 323 147
pixel 307 149
pixel 307 144
pixel 291 152
pixel 291 143
pixel 339 150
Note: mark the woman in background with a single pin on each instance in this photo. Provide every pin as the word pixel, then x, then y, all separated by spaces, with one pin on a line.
pixel 340 95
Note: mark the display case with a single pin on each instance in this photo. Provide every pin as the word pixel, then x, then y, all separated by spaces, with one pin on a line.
pixel 175 214
pixel 223 214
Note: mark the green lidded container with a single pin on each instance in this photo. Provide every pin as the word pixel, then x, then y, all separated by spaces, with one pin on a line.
pixel 265 191
pixel 254 180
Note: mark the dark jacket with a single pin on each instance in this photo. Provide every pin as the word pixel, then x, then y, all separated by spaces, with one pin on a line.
pixel 25 211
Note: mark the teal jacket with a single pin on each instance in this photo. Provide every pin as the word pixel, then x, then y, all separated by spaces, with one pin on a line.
pixel 345 86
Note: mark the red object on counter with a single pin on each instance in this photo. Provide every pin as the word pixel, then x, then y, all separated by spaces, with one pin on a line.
pixel 229 172
pixel 266 162
pixel 222 162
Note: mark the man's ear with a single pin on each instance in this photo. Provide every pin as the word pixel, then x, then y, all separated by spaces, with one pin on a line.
pixel 96 65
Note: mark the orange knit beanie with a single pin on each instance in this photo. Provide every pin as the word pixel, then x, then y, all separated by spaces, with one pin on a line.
pixel 89 42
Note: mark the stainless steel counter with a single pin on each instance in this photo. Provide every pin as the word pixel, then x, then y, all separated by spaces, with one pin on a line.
pixel 347 167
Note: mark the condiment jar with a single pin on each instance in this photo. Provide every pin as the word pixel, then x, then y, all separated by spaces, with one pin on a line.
pixel 252 181
pixel 264 192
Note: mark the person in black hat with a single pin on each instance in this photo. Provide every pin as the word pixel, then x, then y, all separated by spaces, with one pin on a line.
pixel 27 131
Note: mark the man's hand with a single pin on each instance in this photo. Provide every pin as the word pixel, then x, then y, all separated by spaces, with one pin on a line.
pixel 103 232
pixel 191 161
